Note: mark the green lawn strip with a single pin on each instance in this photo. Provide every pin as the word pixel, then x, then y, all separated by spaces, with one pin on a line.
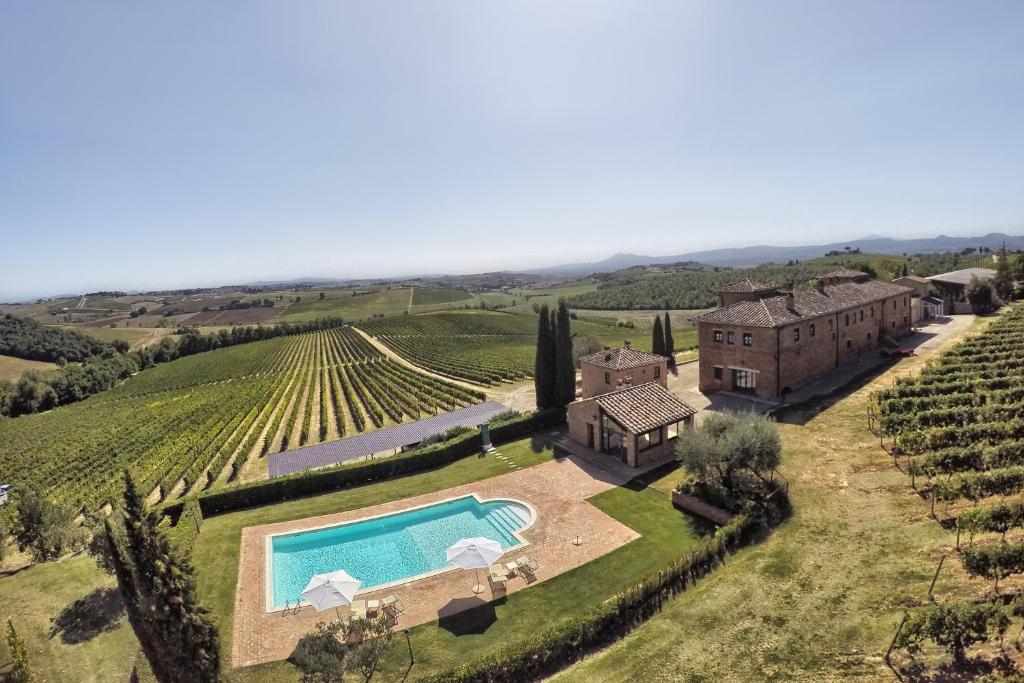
pixel 87 646
pixel 821 597
pixel 666 534
pixel 216 551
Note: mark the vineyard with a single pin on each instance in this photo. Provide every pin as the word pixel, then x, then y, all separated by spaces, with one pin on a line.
pixel 960 426
pixel 485 347
pixel 197 421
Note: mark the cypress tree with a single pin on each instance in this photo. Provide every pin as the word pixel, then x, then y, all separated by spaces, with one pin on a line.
pixel 670 343
pixel 544 364
pixel 157 583
pixel 658 338
pixel 565 369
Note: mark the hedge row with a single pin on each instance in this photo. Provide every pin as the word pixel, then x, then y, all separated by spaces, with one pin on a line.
pixel 278 489
pixel 188 522
pixel 549 650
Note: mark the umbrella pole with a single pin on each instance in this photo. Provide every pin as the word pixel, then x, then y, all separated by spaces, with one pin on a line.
pixel 477 588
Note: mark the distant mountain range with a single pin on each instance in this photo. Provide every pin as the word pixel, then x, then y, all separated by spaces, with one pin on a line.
pixel 753 256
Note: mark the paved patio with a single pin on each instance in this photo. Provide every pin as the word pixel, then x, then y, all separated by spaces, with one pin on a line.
pixel 557 490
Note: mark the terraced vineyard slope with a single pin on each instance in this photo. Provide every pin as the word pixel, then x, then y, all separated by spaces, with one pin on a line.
pixel 191 423
pixel 486 347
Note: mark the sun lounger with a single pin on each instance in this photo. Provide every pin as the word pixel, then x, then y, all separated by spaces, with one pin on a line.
pixel 392 606
pixel 527 567
pixel 364 609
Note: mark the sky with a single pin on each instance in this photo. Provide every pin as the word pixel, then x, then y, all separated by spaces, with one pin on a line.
pixel 149 145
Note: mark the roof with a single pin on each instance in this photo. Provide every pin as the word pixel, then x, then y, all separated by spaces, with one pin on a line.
pixel 387 439
pixel 747 285
pixel 842 274
pixel 934 301
pixel 963 277
pixel 622 358
pixel 644 407
pixel 913 278
pixel 773 311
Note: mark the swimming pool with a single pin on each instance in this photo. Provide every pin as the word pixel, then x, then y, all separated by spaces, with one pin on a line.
pixel 391 548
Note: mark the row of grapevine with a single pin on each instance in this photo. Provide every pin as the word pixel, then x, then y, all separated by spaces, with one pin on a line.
pixel 202 419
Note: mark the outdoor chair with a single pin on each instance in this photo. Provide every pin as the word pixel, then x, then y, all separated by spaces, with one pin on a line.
pixel 364 609
pixel 527 567
pixel 498 576
pixel 392 606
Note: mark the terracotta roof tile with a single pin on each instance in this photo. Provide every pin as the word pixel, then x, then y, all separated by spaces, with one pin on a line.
pixel 644 407
pixel 773 311
pixel 747 285
pixel 842 274
pixel 622 359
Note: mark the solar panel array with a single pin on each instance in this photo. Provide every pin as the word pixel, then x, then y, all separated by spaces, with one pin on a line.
pixel 387 439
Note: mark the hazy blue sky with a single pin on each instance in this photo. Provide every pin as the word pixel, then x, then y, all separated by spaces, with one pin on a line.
pixel 157 144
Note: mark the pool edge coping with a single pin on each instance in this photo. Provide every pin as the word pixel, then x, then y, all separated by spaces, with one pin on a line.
pixel 268 588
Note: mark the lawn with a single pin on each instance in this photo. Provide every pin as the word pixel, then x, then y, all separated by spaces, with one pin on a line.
pixel 820 599
pixel 72 619
pixel 666 533
pixel 11 368
pixel 425 296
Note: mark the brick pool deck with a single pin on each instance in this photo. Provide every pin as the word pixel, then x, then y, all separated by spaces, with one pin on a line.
pixel 556 489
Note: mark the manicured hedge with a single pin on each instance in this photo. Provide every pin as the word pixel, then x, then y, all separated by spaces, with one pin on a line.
pixel 549 650
pixel 187 524
pixel 217 501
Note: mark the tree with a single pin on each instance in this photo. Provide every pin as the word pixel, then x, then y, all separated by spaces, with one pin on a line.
pixel 658 338
pixel 732 452
pixel 954 626
pixel 565 369
pixel 905 270
pixel 19 673
pixel 322 296
pixel 44 529
pixel 1002 282
pixel 544 364
pixel 175 631
pixel 670 343
pixel 981 296
pixel 321 655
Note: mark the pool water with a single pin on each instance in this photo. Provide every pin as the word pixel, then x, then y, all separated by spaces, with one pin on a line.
pixel 391 548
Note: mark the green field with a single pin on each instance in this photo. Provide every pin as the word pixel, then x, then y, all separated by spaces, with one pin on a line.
pixel 666 534
pixel 11 369
pixel 137 337
pixel 197 421
pixel 425 296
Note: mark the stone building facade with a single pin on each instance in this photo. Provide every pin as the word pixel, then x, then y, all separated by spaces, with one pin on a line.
pixel 610 369
pixel 773 341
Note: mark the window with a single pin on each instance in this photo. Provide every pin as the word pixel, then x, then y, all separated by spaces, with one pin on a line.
pixel 904 320
pixel 718 336
pixel 796 334
pixel 849 343
pixel 648 439
pixel 869 336
pixel 894 304
pixel 657 372
pixel 607 378
pixel 812 329
pixel 830 324
pixel 847 319
pixel 748 339
pixel 892 324
pixel 730 337
pixel 872 311
pixel 718 372
pixel 904 301
pixel 743 379
pixel 862 315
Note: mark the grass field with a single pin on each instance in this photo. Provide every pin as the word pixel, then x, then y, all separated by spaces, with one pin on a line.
pixel 666 532
pixel 821 598
pixel 72 620
pixel 11 369
pixel 423 296
pixel 137 337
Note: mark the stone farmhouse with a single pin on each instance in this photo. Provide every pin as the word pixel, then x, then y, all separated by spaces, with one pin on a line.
pixel 626 410
pixel 767 340
pixel 952 287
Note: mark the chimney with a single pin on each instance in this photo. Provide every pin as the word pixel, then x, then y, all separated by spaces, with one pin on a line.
pixel 628 344
pixel 819 284
pixel 790 300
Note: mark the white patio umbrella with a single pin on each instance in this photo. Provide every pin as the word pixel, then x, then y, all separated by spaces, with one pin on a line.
pixel 474 553
pixel 331 590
